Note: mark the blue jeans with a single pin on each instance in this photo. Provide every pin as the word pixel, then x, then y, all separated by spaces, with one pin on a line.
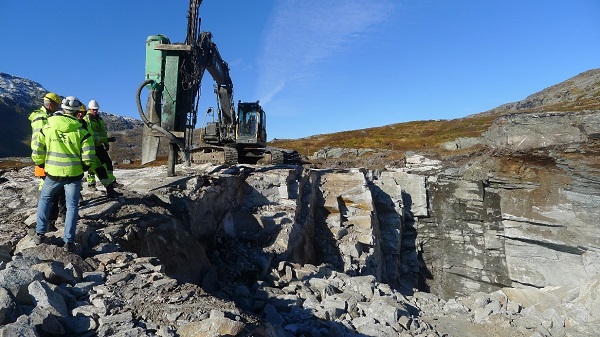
pixel 72 192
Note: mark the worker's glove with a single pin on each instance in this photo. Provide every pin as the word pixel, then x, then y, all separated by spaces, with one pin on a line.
pixel 112 139
pixel 39 171
pixel 106 146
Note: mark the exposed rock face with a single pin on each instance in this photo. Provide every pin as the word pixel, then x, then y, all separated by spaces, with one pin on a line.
pixel 462 242
pixel 346 233
pixel 504 241
pixel 524 214
pixel 542 130
pixel 282 251
pixel 158 262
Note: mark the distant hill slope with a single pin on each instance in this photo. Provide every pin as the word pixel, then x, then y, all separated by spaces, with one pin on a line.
pixel 18 98
pixel 116 123
pixel 581 92
pixel 19 95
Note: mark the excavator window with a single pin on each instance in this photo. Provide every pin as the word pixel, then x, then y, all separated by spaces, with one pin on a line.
pixel 247 123
pixel 252 123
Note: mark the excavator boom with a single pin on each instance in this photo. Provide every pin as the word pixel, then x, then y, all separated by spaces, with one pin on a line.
pixel 212 61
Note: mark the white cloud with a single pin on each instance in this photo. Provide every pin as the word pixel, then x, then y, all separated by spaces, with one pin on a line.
pixel 301 35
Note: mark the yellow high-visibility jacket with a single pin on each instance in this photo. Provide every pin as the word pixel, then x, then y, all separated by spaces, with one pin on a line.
pixel 38 118
pixel 97 127
pixel 63 148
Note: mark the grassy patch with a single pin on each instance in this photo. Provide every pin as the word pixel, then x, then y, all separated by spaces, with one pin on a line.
pixel 418 135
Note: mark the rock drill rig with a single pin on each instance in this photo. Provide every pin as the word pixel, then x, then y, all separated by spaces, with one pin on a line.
pixel 174 73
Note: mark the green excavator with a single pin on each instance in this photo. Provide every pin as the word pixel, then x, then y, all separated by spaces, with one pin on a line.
pixel 173 75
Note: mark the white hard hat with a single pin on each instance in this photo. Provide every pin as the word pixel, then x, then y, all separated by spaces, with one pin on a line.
pixel 93 104
pixel 70 104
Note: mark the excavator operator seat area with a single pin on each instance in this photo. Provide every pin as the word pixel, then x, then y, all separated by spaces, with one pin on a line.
pixel 247 124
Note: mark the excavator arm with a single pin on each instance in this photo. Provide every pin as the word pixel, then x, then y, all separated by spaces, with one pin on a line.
pixel 211 61
pixel 174 73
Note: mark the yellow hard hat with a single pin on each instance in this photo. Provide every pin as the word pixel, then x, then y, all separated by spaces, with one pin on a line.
pixel 53 97
pixel 82 109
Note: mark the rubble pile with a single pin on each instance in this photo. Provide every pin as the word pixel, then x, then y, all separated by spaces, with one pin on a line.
pixel 139 269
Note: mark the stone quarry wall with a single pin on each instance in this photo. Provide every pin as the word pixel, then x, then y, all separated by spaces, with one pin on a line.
pixel 367 234
pixel 523 215
pixel 538 130
pixel 514 218
pixel 462 241
pixel 485 235
pixel 438 233
pixel 509 217
pixel 342 250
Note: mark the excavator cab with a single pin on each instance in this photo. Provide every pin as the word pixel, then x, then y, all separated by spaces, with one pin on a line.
pixel 251 128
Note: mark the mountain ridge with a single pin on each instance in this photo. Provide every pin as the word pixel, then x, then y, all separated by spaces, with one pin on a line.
pixel 18 97
pixel 465 246
pixel 578 93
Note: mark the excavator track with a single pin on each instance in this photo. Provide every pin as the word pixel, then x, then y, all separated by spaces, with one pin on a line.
pixel 215 155
pixel 277 156
pixel 230 156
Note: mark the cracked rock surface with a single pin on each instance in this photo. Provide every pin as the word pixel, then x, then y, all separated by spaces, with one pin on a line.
pixel 502 241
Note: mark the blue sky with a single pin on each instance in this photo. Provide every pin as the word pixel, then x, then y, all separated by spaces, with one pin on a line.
pixel 317 66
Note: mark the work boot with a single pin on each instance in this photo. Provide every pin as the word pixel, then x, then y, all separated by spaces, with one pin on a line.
pixel 117 184
pixel 38 238
pixel 69 247
pixel 111 193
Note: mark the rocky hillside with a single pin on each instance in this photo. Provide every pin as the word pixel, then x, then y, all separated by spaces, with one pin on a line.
pixel 502 243
pixel 16 102
pixel 579 93
pixel 19 97
pixel 488 233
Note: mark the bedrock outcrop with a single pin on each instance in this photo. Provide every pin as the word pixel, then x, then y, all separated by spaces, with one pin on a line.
pixel 267 251
pixel 502 242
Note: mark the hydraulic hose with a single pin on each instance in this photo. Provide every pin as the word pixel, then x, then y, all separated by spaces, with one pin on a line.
pixel 184 154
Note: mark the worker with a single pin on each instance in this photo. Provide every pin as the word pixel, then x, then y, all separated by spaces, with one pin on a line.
pixel 65 150
pixel 97 127
pixel 252 124
pixel 39 118
pixel 98 168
